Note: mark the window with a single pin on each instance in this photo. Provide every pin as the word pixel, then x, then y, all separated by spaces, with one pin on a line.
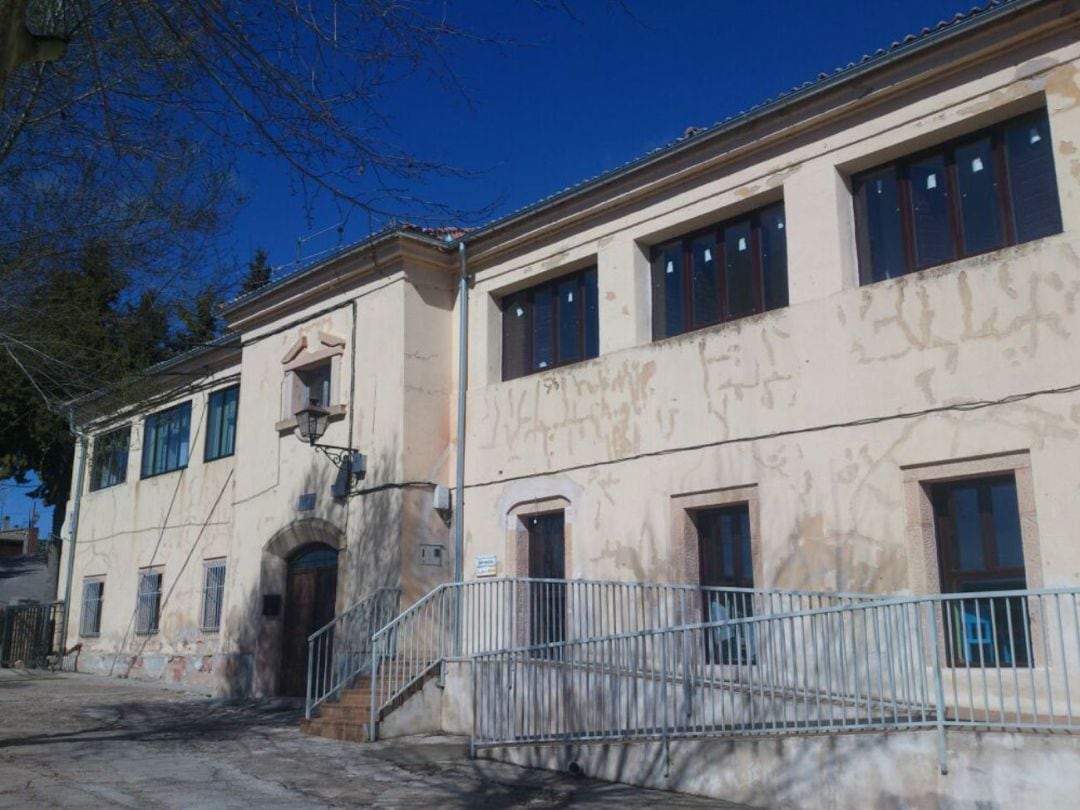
pixel 982 192
pixel 213 594
pixel 314 383
pixel 165 443
pixel 552 324
pixel 977 522
pixel 221 423
pixel 726 565
pixel 109 465
pixel 93 596
pixel 148 609
pixel 724 272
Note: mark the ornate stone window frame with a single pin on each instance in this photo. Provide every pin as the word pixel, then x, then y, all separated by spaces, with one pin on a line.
pixel 325 347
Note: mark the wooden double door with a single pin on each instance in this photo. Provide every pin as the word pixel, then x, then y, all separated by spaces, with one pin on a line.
pixel 310 597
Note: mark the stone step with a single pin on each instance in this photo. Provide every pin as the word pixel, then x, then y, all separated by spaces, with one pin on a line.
pixel 354 697
pixel 335 712
pixel 322 727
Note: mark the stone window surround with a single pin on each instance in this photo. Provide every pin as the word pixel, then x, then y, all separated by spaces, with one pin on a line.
pixel 685 559
pixel 517 553
pixel 517 540
pixel 924 574
pixel 329 347
pixel 923 571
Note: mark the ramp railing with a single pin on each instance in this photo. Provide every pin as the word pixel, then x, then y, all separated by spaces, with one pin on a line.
pixel 1005 660
pixel 462 620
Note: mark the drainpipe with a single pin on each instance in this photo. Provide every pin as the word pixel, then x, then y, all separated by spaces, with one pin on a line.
pixel 82 443
pixel 463 374
pixel 459 481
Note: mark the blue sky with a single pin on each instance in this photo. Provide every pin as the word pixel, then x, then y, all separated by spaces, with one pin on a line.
pixel 15 505
pixel 578 97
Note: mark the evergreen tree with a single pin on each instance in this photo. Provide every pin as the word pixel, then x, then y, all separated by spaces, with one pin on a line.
pixel 258 272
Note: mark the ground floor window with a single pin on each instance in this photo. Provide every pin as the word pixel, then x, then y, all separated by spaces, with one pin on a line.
pixel 93 598
pixel 726 569
pixel 213 595
pixel 148 608
pixel 977 523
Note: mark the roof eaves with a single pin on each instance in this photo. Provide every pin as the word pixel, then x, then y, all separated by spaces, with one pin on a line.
pixel 304 270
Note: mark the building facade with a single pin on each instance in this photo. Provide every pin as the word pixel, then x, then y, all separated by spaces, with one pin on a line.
pixel 823 345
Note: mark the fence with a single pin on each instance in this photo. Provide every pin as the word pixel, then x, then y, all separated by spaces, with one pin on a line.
pixel 341 650
pixel 28 634
pixel 1002 660
pixel 461 620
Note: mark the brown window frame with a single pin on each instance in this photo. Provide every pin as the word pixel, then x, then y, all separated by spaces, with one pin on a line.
pixel 690 324
pixel 946 149
pixel 526 298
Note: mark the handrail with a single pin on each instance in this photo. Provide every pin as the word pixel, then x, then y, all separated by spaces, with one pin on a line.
pixel 459 620
pixel 339 651
pixel 983 660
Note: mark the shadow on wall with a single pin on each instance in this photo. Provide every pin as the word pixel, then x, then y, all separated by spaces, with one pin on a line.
pixel 365 529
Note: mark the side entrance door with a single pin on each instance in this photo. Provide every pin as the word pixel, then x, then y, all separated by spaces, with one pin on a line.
pixel 310 594
pixel 547 561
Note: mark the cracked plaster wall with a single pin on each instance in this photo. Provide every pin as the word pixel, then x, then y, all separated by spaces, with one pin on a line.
pixel 753 398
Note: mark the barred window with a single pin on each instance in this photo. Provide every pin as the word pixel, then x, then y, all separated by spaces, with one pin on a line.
pixel 213 594
pixel 165 443
pixel 148 609
pixel 221 423
pixel 93 596
pixel 109 464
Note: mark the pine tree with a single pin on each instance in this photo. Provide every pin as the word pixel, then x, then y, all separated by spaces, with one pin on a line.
pixel 258 273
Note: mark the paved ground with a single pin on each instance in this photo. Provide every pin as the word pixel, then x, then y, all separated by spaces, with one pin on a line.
pixel 83 741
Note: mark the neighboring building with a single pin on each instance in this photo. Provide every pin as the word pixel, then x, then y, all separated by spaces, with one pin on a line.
pixel 17 540
pixel 28 567
pixel 827 344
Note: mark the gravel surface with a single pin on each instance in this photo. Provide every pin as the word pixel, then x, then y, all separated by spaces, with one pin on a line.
pixel 74 741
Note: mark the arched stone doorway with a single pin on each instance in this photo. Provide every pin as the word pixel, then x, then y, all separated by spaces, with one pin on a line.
pixel 299 594
pixel 310 593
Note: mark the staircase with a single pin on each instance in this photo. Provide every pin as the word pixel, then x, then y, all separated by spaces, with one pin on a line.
pixel 346 719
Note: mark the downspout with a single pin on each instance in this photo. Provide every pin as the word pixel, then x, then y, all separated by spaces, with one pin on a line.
pixel 463 375
pixel 459 480
pixel 82 445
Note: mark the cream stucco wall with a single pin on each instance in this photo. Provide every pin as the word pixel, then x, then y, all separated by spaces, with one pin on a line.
pixel 388 340
pixel 821 405
pixel 827 409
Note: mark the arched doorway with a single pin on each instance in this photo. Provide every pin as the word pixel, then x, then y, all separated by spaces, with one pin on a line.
pixel 310 593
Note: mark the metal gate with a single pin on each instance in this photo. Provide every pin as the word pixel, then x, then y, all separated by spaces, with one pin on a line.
pixel 28 634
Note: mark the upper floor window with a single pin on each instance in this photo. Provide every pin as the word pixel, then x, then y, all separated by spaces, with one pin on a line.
pixel 165 440
pixel 721 273
pixel 314 385
pixel 551 324
pixel 109 464
pixel 221 423
pixel 982 192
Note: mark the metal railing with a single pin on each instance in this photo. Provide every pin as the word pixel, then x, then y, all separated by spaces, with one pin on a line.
pixel 28 634
pixel 340 651
pixel 461 620
pixel 1007 660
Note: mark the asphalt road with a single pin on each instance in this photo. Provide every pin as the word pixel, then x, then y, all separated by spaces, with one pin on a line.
pixel 77 741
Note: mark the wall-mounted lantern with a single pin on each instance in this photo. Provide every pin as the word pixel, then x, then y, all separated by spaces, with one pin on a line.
pixel 311 424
